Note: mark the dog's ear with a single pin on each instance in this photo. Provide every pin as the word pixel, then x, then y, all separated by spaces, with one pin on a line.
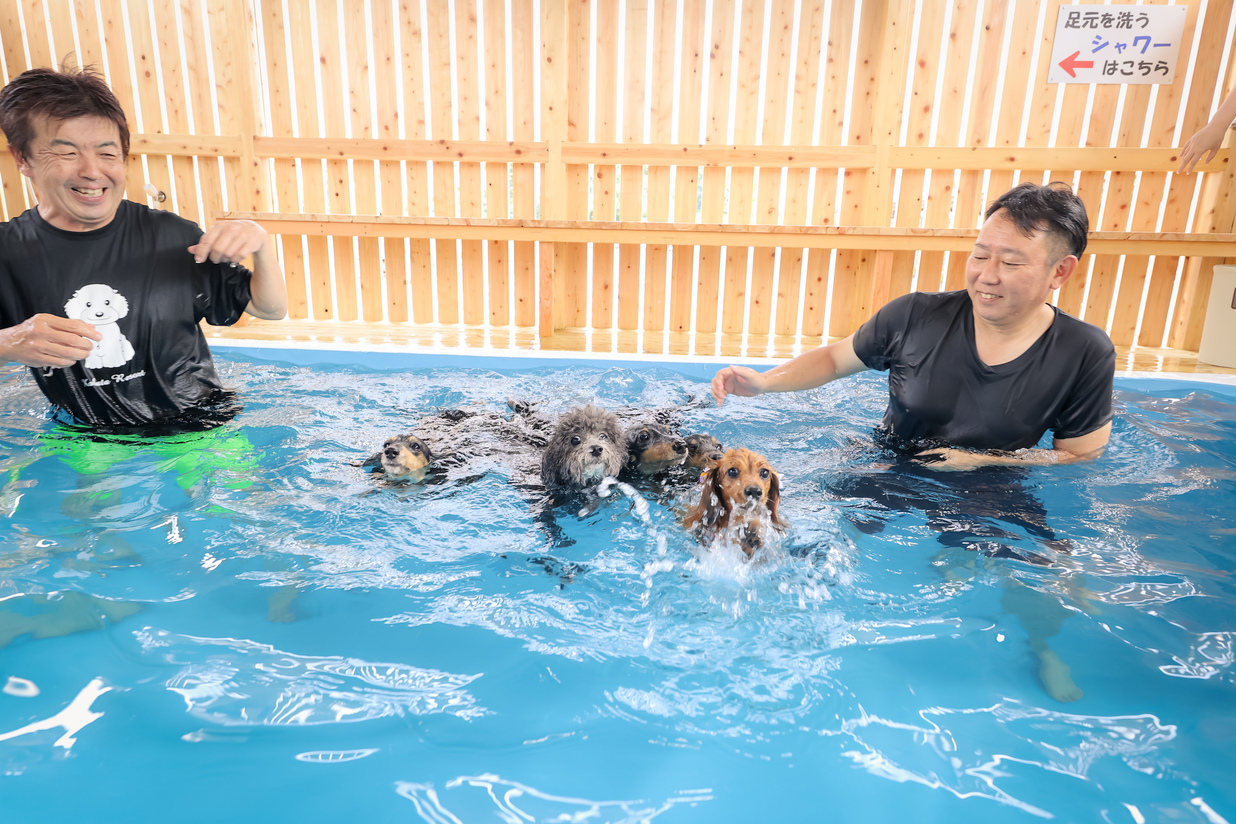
pixel 774 499
pixel 426 451
pixel 704 512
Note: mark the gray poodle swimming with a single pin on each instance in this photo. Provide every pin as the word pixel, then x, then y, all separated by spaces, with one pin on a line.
pixel 587 446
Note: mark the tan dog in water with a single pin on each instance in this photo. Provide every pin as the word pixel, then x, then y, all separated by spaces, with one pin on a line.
pixel 740 496
pixel 402 456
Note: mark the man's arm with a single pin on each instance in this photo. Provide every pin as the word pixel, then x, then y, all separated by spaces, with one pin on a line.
pixel 231 241
pixel 807 371
pixel 1064 450
pixel 48 341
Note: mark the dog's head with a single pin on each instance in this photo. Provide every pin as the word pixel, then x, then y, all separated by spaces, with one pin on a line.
pixel 741 492
pixel 404 456
pixel 96 303
pixel 703 451
pixel 652 448
pixel 586 447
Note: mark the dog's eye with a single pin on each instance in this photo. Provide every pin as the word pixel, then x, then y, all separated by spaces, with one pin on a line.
pixel 644 436
pixel 575 440
pixel 603 436
pixel 732 472
pixel 764 474
pixel 415 447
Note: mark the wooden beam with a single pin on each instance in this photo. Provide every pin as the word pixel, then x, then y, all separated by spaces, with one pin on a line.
pixel 727 234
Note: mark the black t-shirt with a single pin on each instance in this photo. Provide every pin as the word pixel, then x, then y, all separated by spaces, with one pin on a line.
pixel 135 280
pixel 940 392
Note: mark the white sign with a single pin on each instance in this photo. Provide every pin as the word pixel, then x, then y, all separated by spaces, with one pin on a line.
pixel 1116 44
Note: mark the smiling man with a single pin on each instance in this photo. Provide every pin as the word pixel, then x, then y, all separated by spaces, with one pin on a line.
pixel 100 296
pixel 977 377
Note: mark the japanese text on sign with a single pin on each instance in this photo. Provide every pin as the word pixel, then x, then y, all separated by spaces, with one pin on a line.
pixel 1116 44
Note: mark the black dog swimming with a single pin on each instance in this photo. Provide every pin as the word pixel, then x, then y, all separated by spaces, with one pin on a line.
pixel 653 448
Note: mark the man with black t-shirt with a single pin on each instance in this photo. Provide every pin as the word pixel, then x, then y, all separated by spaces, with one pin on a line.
pixel 100 296
pixel 977 377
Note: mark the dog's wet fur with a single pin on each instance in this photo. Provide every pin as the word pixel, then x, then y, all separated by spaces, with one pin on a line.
pixel 586 447
pixel 739 499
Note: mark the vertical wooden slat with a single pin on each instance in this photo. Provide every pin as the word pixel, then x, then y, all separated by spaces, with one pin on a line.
pixel 631 180
pixel 850 304
pixel 112 14
pixel 146 69
pixel 356 36
pixel 555 37
pixel 197 82
pixel 571 292
pixel 468 102
pixel 393 260
pixel 656 256
pixel 932 272
pixel 918 114
pixel 1121 212
pixel 1090 189
pixel 604 194
pixel 1175 206
pixel 415 94
pixel 37 40
pixel 442 114
pixel 497 175
pixel 797 196
pixel 686 182
pixel 313 180
pixel 524 66
pixel 282 113
pixel 776 72
pixel 713 183
pixel 832 133
pixel 338 178
pixel 175 103
pixel 13 189
pixel 742 179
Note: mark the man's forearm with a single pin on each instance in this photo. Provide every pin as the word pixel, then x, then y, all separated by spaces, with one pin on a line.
pixel 268 297
pixel 815 367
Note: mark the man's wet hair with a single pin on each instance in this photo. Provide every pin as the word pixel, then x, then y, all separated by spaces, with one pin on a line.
pixel 60 95
pixel 1053 209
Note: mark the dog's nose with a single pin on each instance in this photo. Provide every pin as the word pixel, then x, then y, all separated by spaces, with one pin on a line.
pixel 716 456
pixel 753 491
pixel 597 450
pixel 392 453
pixel 680 446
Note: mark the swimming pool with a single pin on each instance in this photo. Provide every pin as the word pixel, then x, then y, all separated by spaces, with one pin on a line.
pixel 243 626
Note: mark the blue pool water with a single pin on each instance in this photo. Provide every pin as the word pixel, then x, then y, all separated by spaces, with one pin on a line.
pixel 243 626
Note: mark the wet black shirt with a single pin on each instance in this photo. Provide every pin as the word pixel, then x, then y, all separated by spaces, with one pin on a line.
pixel 135 280
pixel 940 392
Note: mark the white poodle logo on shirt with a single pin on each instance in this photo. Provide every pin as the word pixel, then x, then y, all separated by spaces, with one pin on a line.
pixel 102 306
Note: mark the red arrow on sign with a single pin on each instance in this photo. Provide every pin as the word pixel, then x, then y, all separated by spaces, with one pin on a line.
pixel 1071 62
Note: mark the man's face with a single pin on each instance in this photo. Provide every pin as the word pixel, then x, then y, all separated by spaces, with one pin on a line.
pixel 78 170
pixel 1009 276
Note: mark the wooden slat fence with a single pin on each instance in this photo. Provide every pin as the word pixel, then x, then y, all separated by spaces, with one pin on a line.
pixel 765 168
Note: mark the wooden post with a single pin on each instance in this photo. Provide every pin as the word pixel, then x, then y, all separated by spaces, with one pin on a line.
pixel 553 133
